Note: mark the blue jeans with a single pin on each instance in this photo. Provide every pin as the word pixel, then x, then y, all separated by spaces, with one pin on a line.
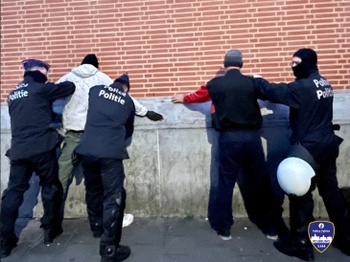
pixel 30 199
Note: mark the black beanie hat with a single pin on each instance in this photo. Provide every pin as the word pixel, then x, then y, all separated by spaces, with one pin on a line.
pixel 90 59
pixel 233 58
pixel 308 63
pixel 124 79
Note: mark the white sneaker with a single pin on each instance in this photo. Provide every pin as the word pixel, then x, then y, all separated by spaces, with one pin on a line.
pixel 225 237
pixel 272 237
pixel 224 234
pixel 128 219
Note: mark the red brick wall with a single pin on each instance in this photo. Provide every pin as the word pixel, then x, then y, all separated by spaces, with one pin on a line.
pixel 170 46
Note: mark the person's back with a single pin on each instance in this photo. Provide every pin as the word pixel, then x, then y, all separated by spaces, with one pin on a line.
pixel 84 77
pixel 31 114
pixel 312 120
pixel 109 122
pixel 235 101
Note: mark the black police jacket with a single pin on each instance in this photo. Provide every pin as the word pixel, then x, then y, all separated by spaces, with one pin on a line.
pixel 109 123
pixel 311 111
pixel 30 109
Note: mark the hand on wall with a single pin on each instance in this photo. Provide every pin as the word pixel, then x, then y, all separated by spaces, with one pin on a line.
pixel 178 99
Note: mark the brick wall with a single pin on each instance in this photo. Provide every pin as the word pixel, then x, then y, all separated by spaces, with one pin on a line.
pixel 170 46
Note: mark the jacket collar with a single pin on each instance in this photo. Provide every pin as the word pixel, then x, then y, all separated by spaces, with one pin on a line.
pixel 35 76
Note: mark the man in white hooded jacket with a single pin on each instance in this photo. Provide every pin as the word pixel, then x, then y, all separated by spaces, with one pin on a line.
pixel 74 115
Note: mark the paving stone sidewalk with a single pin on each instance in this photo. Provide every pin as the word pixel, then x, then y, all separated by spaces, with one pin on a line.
pixel 158 240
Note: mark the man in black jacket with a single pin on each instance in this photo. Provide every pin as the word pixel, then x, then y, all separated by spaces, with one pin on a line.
pixel 109 127
pixel 240 151
pixel 33 148
pixel 310 98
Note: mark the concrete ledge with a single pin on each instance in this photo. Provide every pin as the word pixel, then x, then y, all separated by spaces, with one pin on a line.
pixel 170 161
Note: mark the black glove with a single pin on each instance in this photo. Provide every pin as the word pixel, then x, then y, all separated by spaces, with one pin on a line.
pixel 151 115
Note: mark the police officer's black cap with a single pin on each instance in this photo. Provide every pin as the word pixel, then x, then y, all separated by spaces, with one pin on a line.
pixel 29 63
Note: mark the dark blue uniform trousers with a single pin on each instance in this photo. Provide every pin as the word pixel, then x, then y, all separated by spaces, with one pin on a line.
pixel 30 199
pixel 105 196
pixel 46 167
pixel 301 208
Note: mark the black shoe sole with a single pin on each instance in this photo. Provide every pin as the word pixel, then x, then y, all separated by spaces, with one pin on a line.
pixel 116 258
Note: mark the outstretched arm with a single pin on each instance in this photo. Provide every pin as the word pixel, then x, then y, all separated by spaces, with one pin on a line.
pixel 198 96
pixel 283 93
pixel 60 90
pixel 141 110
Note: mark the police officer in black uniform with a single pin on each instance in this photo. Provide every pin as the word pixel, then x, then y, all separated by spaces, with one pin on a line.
pixel 102 148
pixel 33 148
pixel 240 151
pixel 310 98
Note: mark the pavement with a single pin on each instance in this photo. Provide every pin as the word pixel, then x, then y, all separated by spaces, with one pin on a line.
pixel 158 240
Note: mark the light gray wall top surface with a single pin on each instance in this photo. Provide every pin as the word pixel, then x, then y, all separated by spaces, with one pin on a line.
pixel 198 115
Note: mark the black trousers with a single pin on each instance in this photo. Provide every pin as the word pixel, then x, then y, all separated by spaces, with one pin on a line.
pixel 105 196
pixel 46 167
pixel 301 208
pixel 242 160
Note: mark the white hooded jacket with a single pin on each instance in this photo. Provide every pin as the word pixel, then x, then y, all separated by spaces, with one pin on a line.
pixel 84 77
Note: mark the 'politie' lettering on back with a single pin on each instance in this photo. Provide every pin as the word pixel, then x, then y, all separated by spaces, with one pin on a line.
pixel 327 92
pixel 17 94
pixel 113 94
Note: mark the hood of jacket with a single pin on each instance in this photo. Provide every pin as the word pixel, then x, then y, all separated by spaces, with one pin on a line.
pixel 85 70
